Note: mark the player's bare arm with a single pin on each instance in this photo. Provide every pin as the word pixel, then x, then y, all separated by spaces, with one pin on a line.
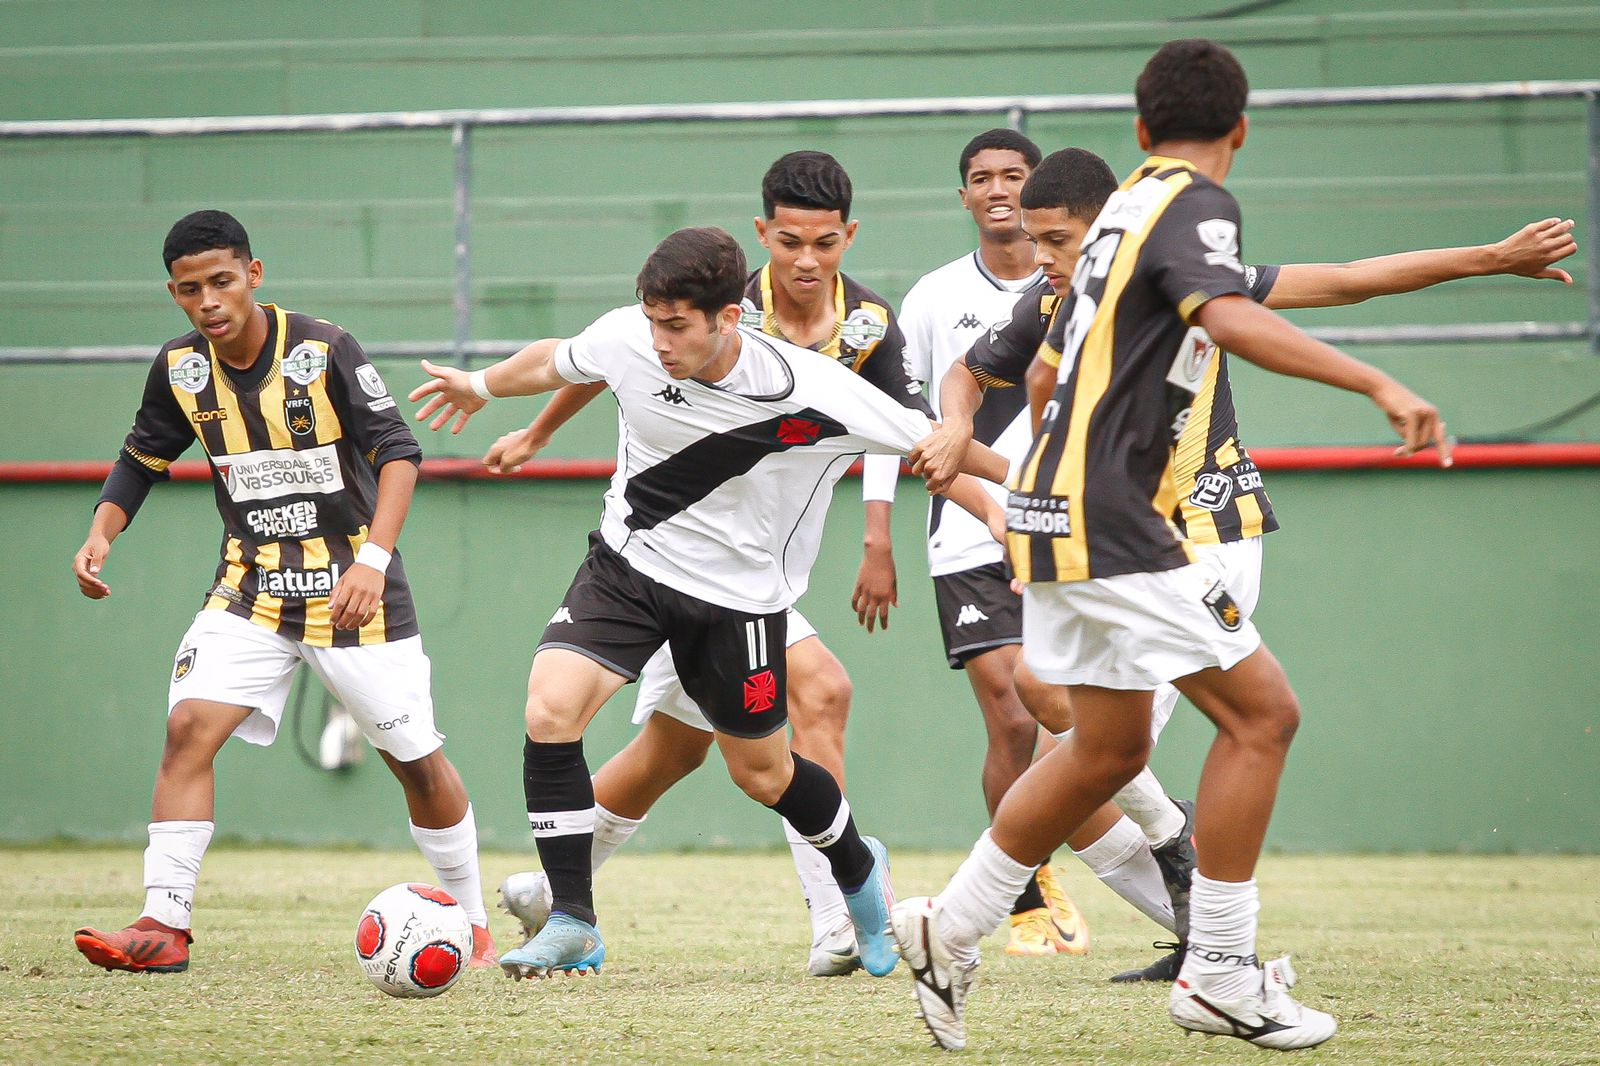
pixel 453 395
pixel 1040 382
pixel 109 520
pixel 968 493
pixel 1531 252
pixel 1242 326
pixel 506 455
pixel 358 593
pixel 959 397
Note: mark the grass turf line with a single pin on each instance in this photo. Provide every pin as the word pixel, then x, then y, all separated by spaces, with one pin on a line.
pixel 1432 959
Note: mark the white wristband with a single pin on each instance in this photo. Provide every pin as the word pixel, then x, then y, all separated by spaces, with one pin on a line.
pixel 479 380
pixel 370 554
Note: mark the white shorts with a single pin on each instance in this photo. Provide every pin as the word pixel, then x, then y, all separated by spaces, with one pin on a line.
pixel 1136 631
pixel 1241 568
pixel 385 687
pixel 661 691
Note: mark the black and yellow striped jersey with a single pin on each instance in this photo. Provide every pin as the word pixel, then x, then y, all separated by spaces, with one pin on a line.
pixel 1116 481
pixel 1000 357
pixel 866 336
pixel 295 444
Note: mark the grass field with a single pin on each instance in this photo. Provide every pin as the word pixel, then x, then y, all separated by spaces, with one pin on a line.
pixel 1423 960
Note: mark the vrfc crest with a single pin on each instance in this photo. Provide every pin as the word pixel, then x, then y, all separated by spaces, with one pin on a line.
pixel 300 415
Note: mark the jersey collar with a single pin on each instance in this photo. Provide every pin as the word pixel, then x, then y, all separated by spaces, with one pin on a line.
pixel 769 316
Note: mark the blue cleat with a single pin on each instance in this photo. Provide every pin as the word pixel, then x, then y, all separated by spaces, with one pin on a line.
pixel 564 945
pixel 869 912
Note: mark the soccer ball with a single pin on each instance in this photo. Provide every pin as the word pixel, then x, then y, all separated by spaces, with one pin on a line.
pixel 413 941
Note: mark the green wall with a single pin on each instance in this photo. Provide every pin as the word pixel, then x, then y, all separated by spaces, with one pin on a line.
pixel 1438 626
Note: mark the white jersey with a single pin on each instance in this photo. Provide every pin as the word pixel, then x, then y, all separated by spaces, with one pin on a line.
pixel 943 314
pixel 721 489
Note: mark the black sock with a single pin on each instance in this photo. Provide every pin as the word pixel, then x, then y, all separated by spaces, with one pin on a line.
pixel 812 803
pixel 1031 899
pixel 560 794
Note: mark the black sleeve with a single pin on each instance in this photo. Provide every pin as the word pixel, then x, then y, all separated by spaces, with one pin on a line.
pixel 1260 280
pixel 160 435
pixel 1192 253
pixel 370 415
pixel 887 369
pixel 1002 355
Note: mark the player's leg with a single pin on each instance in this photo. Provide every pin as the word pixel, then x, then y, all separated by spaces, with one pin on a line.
pixel 1223 987
pixel 229 678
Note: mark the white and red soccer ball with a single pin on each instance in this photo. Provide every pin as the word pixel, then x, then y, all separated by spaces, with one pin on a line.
pixel 414 940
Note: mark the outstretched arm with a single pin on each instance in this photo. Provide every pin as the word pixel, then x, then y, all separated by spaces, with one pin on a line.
pixel 506 455
pixel 459 395
pixel 1242 326
pixel 1529 253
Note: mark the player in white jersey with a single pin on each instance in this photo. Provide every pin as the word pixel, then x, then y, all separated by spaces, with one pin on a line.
pixel 704 543
pixel 980 618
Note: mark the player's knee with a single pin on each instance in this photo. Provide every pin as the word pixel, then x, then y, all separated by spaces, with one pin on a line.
pixel 191 735
pixel 820 703
pixel 549 722
pixel 765 783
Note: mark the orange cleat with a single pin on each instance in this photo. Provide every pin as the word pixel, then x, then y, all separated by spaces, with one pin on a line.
pixel 484 954
pixel 1071 931
pixel 146 946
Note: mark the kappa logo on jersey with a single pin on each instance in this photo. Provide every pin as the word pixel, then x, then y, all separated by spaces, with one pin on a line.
pixel 760 692
pixel 798 431
pixel 673 395
pixel 562 615
pixel 1212 491
pixel 300 415
pixel 191 373
pixel 292 583
pixel 1222 237
pixel 371 383
pixel 185 664
pixel 1222 608
pixel 291 520
pixel 267 475
pixel 862 329
pixel 305 363
pixel 969 615
pixel 968 321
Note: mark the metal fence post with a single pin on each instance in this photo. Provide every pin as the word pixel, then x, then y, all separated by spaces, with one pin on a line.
pixel 1591 104
pixel 460 141
pixel 1017 119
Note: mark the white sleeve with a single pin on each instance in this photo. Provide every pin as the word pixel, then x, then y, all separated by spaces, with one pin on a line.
pixel 593 354
pixel 872 422
pixel 880 474
pixel 915 324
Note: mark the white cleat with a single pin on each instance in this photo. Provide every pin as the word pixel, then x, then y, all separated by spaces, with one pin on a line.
pixel 526 897
pixel 1272 1018
pixel 834 954
pixel 939 980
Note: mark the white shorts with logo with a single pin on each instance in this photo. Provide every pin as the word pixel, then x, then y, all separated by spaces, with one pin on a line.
pixel 661 691
pixel 1138 631
pixel 385 687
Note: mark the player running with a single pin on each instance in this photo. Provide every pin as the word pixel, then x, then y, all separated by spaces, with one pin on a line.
pixel 313 469
pixel 704 544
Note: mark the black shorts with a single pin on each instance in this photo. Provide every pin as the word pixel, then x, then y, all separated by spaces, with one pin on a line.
pixel 977 612
pixel 732 664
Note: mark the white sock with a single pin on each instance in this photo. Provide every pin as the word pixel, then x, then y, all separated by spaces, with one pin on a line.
pixel 1145 801
pixel 824 900
pixel 979 896
pixel 611 831
pixel 1122 860
pixel 1222 936
pixel 172 869
pixel 453 854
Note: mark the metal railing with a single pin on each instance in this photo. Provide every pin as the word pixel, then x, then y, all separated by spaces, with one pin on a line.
pixel 1016 109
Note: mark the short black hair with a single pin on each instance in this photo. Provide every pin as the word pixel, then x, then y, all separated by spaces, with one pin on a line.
pixel 1004 139
pixel 1191 90
pixel 703 265
pixel 1073 179
pixel 806 179
pixel 202 231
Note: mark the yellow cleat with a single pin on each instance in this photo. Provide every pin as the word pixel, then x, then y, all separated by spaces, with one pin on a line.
pixel 1033 933
pixel 1071 931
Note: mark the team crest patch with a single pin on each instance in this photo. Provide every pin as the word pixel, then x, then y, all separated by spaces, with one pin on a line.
pixel 371 383
pixel 751 316
pixel 300 415
pixel 1223 609
pixel 191 374
pixel 185 664
pixel 1212 491
pixel 798 431
pixel 863 329
pixel 305 363
pixel 760 692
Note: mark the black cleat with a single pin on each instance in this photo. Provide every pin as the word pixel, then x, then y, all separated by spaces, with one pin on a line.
pixel 1165 969
pixel 1176 861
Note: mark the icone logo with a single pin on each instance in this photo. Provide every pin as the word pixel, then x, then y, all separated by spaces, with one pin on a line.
pixel 267 475
pixel 391 723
